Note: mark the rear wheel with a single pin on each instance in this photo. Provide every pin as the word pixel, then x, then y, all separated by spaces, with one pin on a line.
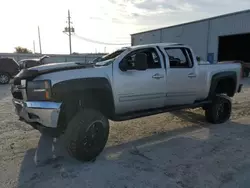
pixel 4 78
pixel 219 111
pixel 87 134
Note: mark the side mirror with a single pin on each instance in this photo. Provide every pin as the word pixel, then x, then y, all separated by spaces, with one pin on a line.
pixel 141 62
pixel 123 65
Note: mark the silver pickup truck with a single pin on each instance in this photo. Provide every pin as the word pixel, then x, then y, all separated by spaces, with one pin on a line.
pixel 77 100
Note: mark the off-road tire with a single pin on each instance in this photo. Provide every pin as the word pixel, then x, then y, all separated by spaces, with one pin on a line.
pixel 6 76
pixel 219 111
pixel 77 135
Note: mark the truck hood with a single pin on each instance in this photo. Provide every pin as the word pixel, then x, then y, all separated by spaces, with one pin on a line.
pixel 60 66
pixel 33 72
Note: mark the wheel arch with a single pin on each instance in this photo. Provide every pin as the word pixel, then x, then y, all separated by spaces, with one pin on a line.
pixel 223 82
pixel 79 93
pixel 5 72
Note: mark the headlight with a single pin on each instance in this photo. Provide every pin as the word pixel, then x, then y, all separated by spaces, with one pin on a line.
pixel 39 90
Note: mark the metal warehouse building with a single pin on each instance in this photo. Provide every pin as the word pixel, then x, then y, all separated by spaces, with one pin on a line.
pixel 225 37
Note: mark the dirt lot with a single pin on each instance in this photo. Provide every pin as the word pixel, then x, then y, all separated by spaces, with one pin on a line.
pixel 168 150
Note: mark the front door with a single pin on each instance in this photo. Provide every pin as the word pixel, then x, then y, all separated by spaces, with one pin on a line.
pixel 140 90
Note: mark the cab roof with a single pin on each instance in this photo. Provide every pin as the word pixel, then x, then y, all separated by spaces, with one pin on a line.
pixel 158 44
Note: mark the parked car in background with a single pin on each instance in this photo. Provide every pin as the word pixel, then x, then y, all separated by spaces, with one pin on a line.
pixel 27 63
pixel 8 69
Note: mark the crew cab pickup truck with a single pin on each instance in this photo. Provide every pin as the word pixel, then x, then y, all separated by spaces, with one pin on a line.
pixel 76 100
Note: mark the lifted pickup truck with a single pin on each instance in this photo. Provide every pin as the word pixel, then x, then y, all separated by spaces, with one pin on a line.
pixel 77 100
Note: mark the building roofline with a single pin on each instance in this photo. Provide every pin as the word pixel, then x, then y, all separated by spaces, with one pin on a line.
pixel 165 45
pixel 196 21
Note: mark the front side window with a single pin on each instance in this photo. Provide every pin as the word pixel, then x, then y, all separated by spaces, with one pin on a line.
pixel 178 58
pixel 153 59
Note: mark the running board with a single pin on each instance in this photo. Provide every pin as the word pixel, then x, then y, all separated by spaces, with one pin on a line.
pixel 145 113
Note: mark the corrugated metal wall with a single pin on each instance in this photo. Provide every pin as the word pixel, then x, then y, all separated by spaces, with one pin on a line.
pixel 194 35
pixel 202 36
pixel 146 38
pixel 229 25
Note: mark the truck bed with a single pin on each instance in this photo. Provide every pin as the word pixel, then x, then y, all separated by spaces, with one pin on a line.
pixel 205 72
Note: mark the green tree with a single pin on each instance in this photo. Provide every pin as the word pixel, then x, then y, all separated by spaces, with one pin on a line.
pixel 20 49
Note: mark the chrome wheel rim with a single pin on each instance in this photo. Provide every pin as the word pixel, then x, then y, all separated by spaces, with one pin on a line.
pixel 94 136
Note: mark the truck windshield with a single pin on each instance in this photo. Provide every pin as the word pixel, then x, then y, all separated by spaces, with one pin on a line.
pixel 107 59
pixel 104 63
pixel 111 55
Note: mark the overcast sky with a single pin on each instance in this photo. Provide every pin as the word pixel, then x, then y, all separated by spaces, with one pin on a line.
pixel 110 21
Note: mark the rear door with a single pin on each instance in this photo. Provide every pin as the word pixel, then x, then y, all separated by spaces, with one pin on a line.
pixel 140 90
pixel 181 76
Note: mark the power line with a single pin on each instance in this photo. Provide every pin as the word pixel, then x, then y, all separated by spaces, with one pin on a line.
pixel 99 42
pixel 70 31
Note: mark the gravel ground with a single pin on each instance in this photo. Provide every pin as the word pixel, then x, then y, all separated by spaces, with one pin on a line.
pixel 169 150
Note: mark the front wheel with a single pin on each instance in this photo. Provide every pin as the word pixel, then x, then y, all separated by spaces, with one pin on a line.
pixel 4 78
pixel 87 134
pixel 219 111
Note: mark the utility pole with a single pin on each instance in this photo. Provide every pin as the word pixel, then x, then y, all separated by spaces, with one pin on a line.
pixel 39 37
pixel 70 48
pixel 69 30
pixel 34 46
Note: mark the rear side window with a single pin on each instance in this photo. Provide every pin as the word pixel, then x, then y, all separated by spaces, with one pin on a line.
pixel 179 58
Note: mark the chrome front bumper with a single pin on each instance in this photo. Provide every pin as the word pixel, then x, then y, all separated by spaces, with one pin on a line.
pixel 44 113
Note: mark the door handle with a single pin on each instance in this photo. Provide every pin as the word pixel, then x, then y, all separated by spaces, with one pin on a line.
pixel 157 76
pixel 191 75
